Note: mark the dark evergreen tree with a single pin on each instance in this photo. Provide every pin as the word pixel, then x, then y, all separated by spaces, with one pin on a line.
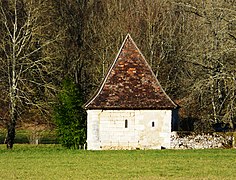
pixel 70 117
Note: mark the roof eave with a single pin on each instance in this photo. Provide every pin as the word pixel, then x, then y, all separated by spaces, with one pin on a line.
pixel 128 108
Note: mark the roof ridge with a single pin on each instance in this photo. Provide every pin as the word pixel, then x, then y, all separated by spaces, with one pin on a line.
pixel 108 72
pixel 152 71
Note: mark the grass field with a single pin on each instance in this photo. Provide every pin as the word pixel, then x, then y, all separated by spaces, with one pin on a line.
pixel 55 162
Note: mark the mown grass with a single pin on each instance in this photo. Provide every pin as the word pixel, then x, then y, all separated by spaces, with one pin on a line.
pixel 55 162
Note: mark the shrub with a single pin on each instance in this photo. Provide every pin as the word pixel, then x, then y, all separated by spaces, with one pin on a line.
pixel 70 117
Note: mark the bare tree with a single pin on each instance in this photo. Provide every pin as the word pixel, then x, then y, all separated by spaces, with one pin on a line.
pixel 211 59
pixel 26 62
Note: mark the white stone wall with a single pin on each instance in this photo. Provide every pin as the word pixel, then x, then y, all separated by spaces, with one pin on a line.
pixel 180 140
pixel 106 129
pixel 93 122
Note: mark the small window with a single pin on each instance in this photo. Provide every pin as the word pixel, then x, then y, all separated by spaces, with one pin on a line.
pixel 153 124
pixel 126 123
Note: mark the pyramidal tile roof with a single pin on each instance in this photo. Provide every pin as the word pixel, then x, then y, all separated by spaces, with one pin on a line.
pixel 130 84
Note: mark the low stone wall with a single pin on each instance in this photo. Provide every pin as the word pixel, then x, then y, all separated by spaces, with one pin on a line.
pixel 189 140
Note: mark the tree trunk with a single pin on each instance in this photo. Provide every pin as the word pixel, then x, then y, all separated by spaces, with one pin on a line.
pixel 12 124
pixel 11 134
pixel 13 86
pixel 13 115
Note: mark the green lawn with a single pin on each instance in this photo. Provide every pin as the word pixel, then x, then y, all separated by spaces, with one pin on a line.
pixel 55 162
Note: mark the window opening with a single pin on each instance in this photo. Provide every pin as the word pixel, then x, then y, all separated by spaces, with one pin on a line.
pixel 126 123
pixel 153 124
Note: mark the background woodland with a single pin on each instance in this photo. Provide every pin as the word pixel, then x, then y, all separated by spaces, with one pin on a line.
pixel 190 45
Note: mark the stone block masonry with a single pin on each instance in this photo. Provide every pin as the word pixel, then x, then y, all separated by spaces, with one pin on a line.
pixel 145 129
pixel 190 140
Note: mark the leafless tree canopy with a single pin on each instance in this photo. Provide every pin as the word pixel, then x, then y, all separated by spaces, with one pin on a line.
pixel 190 46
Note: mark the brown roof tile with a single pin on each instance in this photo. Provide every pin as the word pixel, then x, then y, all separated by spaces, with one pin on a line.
pixel 130 84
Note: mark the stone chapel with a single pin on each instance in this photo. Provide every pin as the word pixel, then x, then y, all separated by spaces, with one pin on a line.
pixel 130 110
